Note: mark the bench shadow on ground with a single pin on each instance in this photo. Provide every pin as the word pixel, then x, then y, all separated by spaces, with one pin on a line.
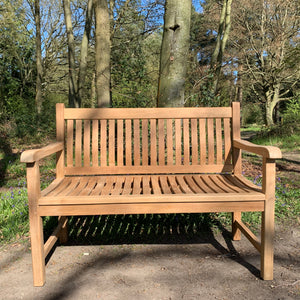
pixel 172 229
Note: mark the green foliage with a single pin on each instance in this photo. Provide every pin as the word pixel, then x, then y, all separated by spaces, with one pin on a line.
pixel 131 85
pixel 285 135
pixel 251 114
pixel 292 114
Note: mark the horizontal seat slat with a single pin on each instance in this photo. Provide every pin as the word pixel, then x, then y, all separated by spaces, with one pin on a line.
pixel 153 198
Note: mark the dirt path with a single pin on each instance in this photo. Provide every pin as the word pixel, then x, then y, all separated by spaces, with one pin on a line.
pixel 213 267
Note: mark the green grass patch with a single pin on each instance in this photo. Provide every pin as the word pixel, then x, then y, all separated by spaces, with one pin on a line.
pixel 13 196
pixel 252 127
pixel 14 213
pixel 284 142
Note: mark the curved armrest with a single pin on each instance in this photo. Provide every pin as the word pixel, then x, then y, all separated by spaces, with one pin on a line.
pixel 265 151
pixel 30 156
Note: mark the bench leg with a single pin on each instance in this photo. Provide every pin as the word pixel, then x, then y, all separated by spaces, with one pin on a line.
pixel 37 250
pixel 63 234
pixel 236 233
pixel 267 241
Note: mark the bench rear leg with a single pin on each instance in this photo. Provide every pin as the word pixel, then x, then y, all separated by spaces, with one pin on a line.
pixel 236 233
pixel 37 250
pixel 63 234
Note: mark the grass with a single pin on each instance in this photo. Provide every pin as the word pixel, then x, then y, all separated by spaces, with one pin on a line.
pixel 13 195
pixel 285 143
pixel 286 136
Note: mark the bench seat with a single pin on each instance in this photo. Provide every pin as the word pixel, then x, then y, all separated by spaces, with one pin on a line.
pixel 126 190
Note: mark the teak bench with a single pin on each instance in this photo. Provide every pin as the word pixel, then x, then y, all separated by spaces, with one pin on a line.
pixel 149 161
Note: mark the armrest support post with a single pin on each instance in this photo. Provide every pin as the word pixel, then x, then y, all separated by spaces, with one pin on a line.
pixel 33 184
pixel 36 224
pixel 267 226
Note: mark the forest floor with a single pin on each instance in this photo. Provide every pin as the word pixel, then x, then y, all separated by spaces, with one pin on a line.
pixel 207 265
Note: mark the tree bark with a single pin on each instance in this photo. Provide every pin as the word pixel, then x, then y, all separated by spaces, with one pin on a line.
pixel 73 99
pixel 39 65
pixel 84 50
pixel 174 53
pixel 222 38
pixel 102 55
pixel 272 98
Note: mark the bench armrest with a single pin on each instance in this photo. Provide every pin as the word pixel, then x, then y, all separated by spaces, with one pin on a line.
pixel 30 156
pixel 270 152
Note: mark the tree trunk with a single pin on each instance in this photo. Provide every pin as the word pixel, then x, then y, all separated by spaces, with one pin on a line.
pixel 73 99
pixel 272 98
pixel 84 50
pixel 102 54
pixel 222 38
pixel 39 66
pixel 174 53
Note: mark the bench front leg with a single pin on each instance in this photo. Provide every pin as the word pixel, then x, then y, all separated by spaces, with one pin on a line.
pixel 36 224
pixel 268 215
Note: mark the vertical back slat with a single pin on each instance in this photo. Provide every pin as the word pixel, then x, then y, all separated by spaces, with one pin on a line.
pixel 95 142
pixel 169 142
pixel 145 142
pixel 202 141
pixel 186 142
pixel 128 145
pixel 60 137
pixel 161 142
pixel 70 132
pixel 219 141
pixel 111 143
pixel 210 141
pixel 153 143
pixel 103 141
pixel 136 144
pixel 227 141
pixel 78 144
pixel 87 143
pixel 236 134
pixel 178 146
pixel 120 135
pixel 194 141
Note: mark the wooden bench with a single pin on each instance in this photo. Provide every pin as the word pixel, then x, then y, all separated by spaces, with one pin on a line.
pixel 149 161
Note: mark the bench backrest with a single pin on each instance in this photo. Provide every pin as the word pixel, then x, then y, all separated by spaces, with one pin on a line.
pixel 147 140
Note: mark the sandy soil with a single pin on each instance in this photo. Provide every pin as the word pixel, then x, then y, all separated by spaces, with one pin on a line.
pixel 212 267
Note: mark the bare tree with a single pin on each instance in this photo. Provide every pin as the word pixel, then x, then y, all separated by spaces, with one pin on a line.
pixel 270 31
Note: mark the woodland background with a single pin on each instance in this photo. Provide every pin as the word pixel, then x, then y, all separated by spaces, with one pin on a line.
pixel 89 53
